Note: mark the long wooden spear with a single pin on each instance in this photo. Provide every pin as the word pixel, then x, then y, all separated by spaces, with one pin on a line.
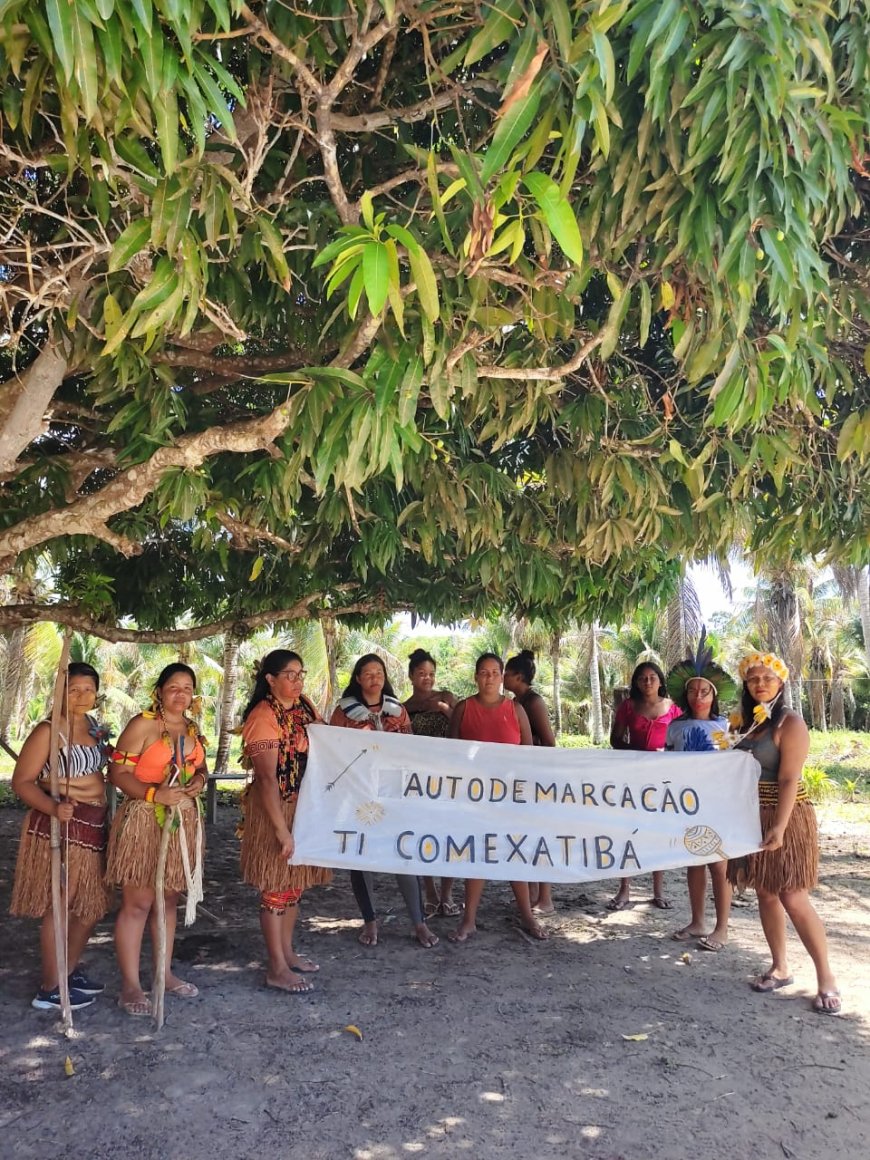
pixel 158 991
pixel 58 883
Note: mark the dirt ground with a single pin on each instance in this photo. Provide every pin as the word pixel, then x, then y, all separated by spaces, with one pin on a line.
pixel 501 1047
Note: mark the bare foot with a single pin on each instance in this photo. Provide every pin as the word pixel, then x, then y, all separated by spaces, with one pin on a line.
pixel 534 930
pixel 661 903
pixel 619 901
pixel 463 932
pixel 290 982
pixel 368 936
pixel 424 936
pixel 303 965
pixel 544 911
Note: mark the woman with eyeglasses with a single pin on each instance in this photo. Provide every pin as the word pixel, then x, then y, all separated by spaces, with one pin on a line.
pixel 369 702
pixel 275 740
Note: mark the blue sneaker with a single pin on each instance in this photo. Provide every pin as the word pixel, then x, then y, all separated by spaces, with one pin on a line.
pixel 50 1000
pixel 79 981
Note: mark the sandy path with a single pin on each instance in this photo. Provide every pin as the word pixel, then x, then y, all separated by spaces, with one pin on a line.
pixel 499 1048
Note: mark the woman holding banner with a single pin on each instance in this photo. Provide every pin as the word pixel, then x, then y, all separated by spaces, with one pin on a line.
pixel 369 702
pixel 491 716
pixel 275 740
pixel 641 723
pixel 82 814
pixel 429 710
pixel 519 673
pixel 696 684
pixel 786 868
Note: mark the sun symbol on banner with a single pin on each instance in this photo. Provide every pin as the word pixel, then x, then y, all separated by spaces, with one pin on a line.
pixel 703 841
pixel 370 813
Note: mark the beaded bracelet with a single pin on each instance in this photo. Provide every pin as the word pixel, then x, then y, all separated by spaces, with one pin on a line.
pixel 150 793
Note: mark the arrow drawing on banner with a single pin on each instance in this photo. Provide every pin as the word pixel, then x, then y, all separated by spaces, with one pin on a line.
pixel 331 784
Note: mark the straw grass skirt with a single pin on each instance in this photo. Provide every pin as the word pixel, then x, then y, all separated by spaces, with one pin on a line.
pixel 85 858
pixel 262 864
pixel 795 865
pixel 134 845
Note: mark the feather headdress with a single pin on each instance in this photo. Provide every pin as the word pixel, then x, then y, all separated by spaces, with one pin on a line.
pixel 700 665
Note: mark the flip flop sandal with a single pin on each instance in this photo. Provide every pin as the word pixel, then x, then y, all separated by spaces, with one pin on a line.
pixel 684 935
pixel 138 1008
pixel 711 944
pixel 183 991
pixel 819 1003
pixel 773 983
pixel 431 909
pixel 450 909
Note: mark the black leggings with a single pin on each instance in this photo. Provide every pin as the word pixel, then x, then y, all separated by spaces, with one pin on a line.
pixel 362 882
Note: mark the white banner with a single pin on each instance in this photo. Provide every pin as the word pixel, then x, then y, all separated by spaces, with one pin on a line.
pixel 420 805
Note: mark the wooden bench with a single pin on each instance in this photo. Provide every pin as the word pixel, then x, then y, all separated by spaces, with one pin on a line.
pixel 211 791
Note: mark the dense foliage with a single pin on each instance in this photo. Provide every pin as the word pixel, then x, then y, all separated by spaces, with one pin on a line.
pixel 341 307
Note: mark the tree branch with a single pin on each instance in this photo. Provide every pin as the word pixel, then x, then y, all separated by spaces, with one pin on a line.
pixel 528 374
pixel 89 514
pixel 24 402
pixel 15 615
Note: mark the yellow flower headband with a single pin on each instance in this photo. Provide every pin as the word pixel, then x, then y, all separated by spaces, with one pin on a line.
pixel 766 660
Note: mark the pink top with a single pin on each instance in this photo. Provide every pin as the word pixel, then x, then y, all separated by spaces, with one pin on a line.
pixel 490 723
pixel 645 734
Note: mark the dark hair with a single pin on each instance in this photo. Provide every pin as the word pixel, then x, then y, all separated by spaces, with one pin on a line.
pixel 634 692
pixel 271 665
pixel 171 670
pixel 523 664
pixel 684 699
pixel 81 669
pixel 490 656
pixel 420 657
pixel 353 686
pixel 748 703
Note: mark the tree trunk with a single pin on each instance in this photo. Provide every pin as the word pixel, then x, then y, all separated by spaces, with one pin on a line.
pixel 330 640
pixel 838 704
pixel 229 685
pixel 555 643
pixel 864 607
pixel 11 683
pixel 596 712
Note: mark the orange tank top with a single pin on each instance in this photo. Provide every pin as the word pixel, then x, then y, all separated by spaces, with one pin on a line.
pixel 154 762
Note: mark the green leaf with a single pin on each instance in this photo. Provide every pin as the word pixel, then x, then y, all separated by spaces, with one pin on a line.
pixel 376 275
pixel 427 286
pixel 273 244
pixel 645 312
pixel 166 118
pixel 557 213
pixel 509 132
pixel 132 241
pixel 61 15
pixel 502 21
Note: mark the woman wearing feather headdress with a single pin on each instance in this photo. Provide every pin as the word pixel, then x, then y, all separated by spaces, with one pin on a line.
pixel 696 684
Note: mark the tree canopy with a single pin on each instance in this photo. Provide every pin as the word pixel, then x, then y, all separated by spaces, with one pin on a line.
pixel 341 307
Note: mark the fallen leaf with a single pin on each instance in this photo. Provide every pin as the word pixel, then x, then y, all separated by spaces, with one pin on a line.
pixel 354 1030
pixel 685 957
pixel 68 1066
pixel 635 1038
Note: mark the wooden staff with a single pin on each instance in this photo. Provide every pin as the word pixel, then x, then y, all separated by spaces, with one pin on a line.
pixel 158 991
pixel 58 883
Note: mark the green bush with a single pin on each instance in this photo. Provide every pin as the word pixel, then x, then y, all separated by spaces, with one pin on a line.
pixel 819 785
